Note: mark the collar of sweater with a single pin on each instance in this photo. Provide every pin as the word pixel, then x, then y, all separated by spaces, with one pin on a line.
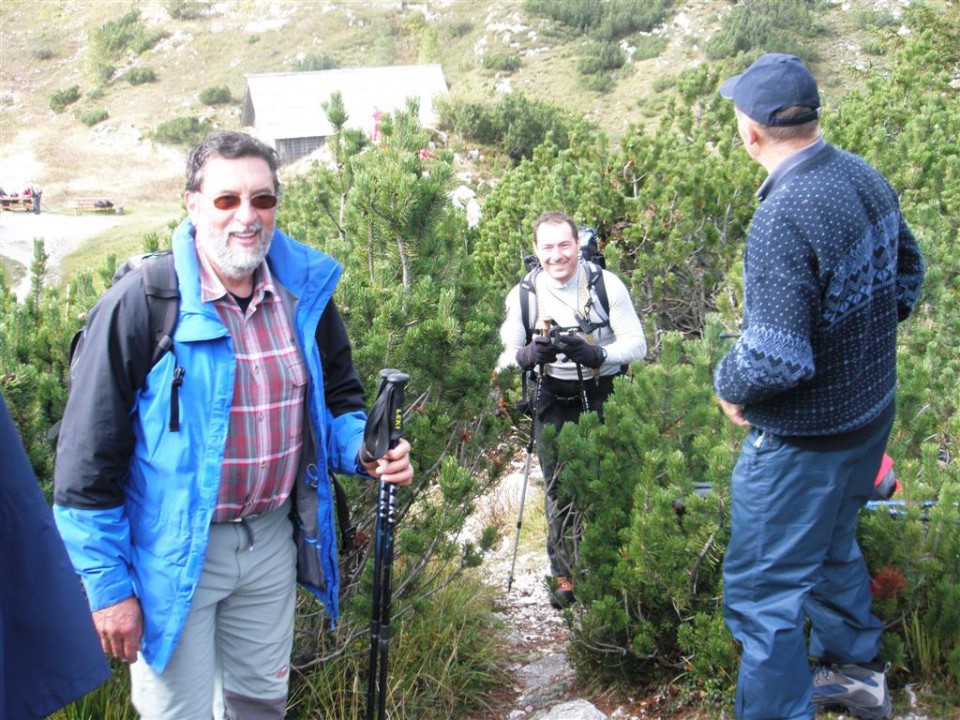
pixel 788 164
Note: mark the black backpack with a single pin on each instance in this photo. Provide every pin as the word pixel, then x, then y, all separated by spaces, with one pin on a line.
pixel 595 263
pixel 163 300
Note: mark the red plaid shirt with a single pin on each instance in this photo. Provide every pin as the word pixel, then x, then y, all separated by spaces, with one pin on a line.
pixel 266 417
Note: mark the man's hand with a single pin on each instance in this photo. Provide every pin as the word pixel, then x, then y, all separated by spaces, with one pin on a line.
pixel 734 412
pixel 394 466
pixel 540 351
pixel 120 628
pixel 580 351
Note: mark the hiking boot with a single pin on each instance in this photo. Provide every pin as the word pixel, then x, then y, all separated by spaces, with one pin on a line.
pixel 562 594
pixel 862 691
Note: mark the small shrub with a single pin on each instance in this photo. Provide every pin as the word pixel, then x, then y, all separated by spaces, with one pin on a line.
pixel 603 20
pixel 516 124
pixel 664 82
pixel 872 19
pixel 93 116
pixel 102 73
pixel 44 54
pixel 430 45
pixel 501 63
pixel 94 93
pixel 60 99
pixel 185 131
pixel 598 82
pixel 140 76
pixel 184 9
pixel 114 37
pixel 459 28
pixel 649 46
pixel 315 62
pixel 215 95
pixel 147 42
pixel 603 58
pixel 756 25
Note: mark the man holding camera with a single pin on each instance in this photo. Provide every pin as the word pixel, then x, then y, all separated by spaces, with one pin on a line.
pixel 578 347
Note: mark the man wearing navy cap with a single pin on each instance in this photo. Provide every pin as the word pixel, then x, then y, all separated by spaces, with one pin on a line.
pixel 830 268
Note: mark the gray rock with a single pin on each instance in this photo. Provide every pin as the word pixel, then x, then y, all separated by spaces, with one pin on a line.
pixel 574 710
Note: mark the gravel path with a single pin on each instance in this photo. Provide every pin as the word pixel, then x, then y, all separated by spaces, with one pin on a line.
pixel 62 234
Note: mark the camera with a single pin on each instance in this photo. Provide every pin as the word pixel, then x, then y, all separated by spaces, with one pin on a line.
pixel 558 335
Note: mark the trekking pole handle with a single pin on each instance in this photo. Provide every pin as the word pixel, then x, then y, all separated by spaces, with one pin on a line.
pixel 384 426
pixel 545 326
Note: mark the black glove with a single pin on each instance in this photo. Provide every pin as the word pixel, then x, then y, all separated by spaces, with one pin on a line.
pixel 580 351
pixel 539 352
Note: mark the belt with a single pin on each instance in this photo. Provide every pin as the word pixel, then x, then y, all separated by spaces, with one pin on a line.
pixel 247 527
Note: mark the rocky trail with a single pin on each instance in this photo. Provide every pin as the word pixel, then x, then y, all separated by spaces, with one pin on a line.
pixel 544 683
pixel 545 686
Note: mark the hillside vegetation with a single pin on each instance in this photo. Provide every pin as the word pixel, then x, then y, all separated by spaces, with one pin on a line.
pixel 129 78
pixel 671 201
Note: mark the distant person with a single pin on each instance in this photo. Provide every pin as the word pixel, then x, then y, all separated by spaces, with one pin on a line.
pixel 830 268
pixel 578 366
pixel 192 499
pixel 49 651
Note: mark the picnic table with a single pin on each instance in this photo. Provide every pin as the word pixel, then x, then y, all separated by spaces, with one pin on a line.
pixel 15 202
pixel 96 205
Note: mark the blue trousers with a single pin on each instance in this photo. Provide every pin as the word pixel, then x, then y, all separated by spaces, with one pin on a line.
pixel 793 553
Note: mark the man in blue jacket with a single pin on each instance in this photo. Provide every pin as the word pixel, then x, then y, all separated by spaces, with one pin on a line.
pixel 830 269
pixel 189 534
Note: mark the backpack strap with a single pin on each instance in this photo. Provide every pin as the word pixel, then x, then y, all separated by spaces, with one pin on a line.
pixel 348 531
pixel 598 289
pixel 163 295
pixel 528 301
pixel 163 300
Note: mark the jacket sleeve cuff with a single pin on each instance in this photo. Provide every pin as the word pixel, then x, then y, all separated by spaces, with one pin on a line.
pixel 98 543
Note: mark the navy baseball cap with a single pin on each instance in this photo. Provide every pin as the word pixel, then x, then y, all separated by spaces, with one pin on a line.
pixel 773 83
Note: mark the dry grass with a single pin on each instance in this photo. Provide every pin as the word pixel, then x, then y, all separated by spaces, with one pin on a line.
pixel 124 239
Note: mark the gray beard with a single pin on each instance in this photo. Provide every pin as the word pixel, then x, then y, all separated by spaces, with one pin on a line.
pixel 238 263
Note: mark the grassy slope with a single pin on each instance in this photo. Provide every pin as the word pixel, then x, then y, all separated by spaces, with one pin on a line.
pixel 116 158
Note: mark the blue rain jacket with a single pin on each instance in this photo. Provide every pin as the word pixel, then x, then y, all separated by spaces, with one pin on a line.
pixel 133 500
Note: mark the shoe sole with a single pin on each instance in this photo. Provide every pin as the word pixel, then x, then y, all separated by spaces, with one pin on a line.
pixel 859 711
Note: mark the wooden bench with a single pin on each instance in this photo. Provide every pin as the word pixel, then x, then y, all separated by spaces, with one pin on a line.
pixel 15 202
pixel 96 205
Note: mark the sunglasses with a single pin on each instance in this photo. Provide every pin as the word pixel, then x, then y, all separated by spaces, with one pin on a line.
pixel 232 202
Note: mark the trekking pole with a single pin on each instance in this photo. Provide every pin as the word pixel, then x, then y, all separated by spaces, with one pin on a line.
pixel 526 466
pixel 383 430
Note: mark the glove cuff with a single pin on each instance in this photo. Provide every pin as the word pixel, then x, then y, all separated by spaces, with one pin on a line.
pixel 599 357
pixel 523 359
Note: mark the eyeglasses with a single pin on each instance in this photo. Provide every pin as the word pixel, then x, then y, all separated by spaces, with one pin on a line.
pixel 232 202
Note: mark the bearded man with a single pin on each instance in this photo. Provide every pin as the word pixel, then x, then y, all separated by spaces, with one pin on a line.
pixel 192 496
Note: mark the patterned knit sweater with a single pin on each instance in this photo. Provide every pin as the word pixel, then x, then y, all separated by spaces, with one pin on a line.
pixel 830 269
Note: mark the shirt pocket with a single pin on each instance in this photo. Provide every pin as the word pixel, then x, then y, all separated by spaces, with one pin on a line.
pixel 295 389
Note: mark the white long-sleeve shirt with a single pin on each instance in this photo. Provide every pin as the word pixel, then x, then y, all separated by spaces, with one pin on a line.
pixel 623 340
